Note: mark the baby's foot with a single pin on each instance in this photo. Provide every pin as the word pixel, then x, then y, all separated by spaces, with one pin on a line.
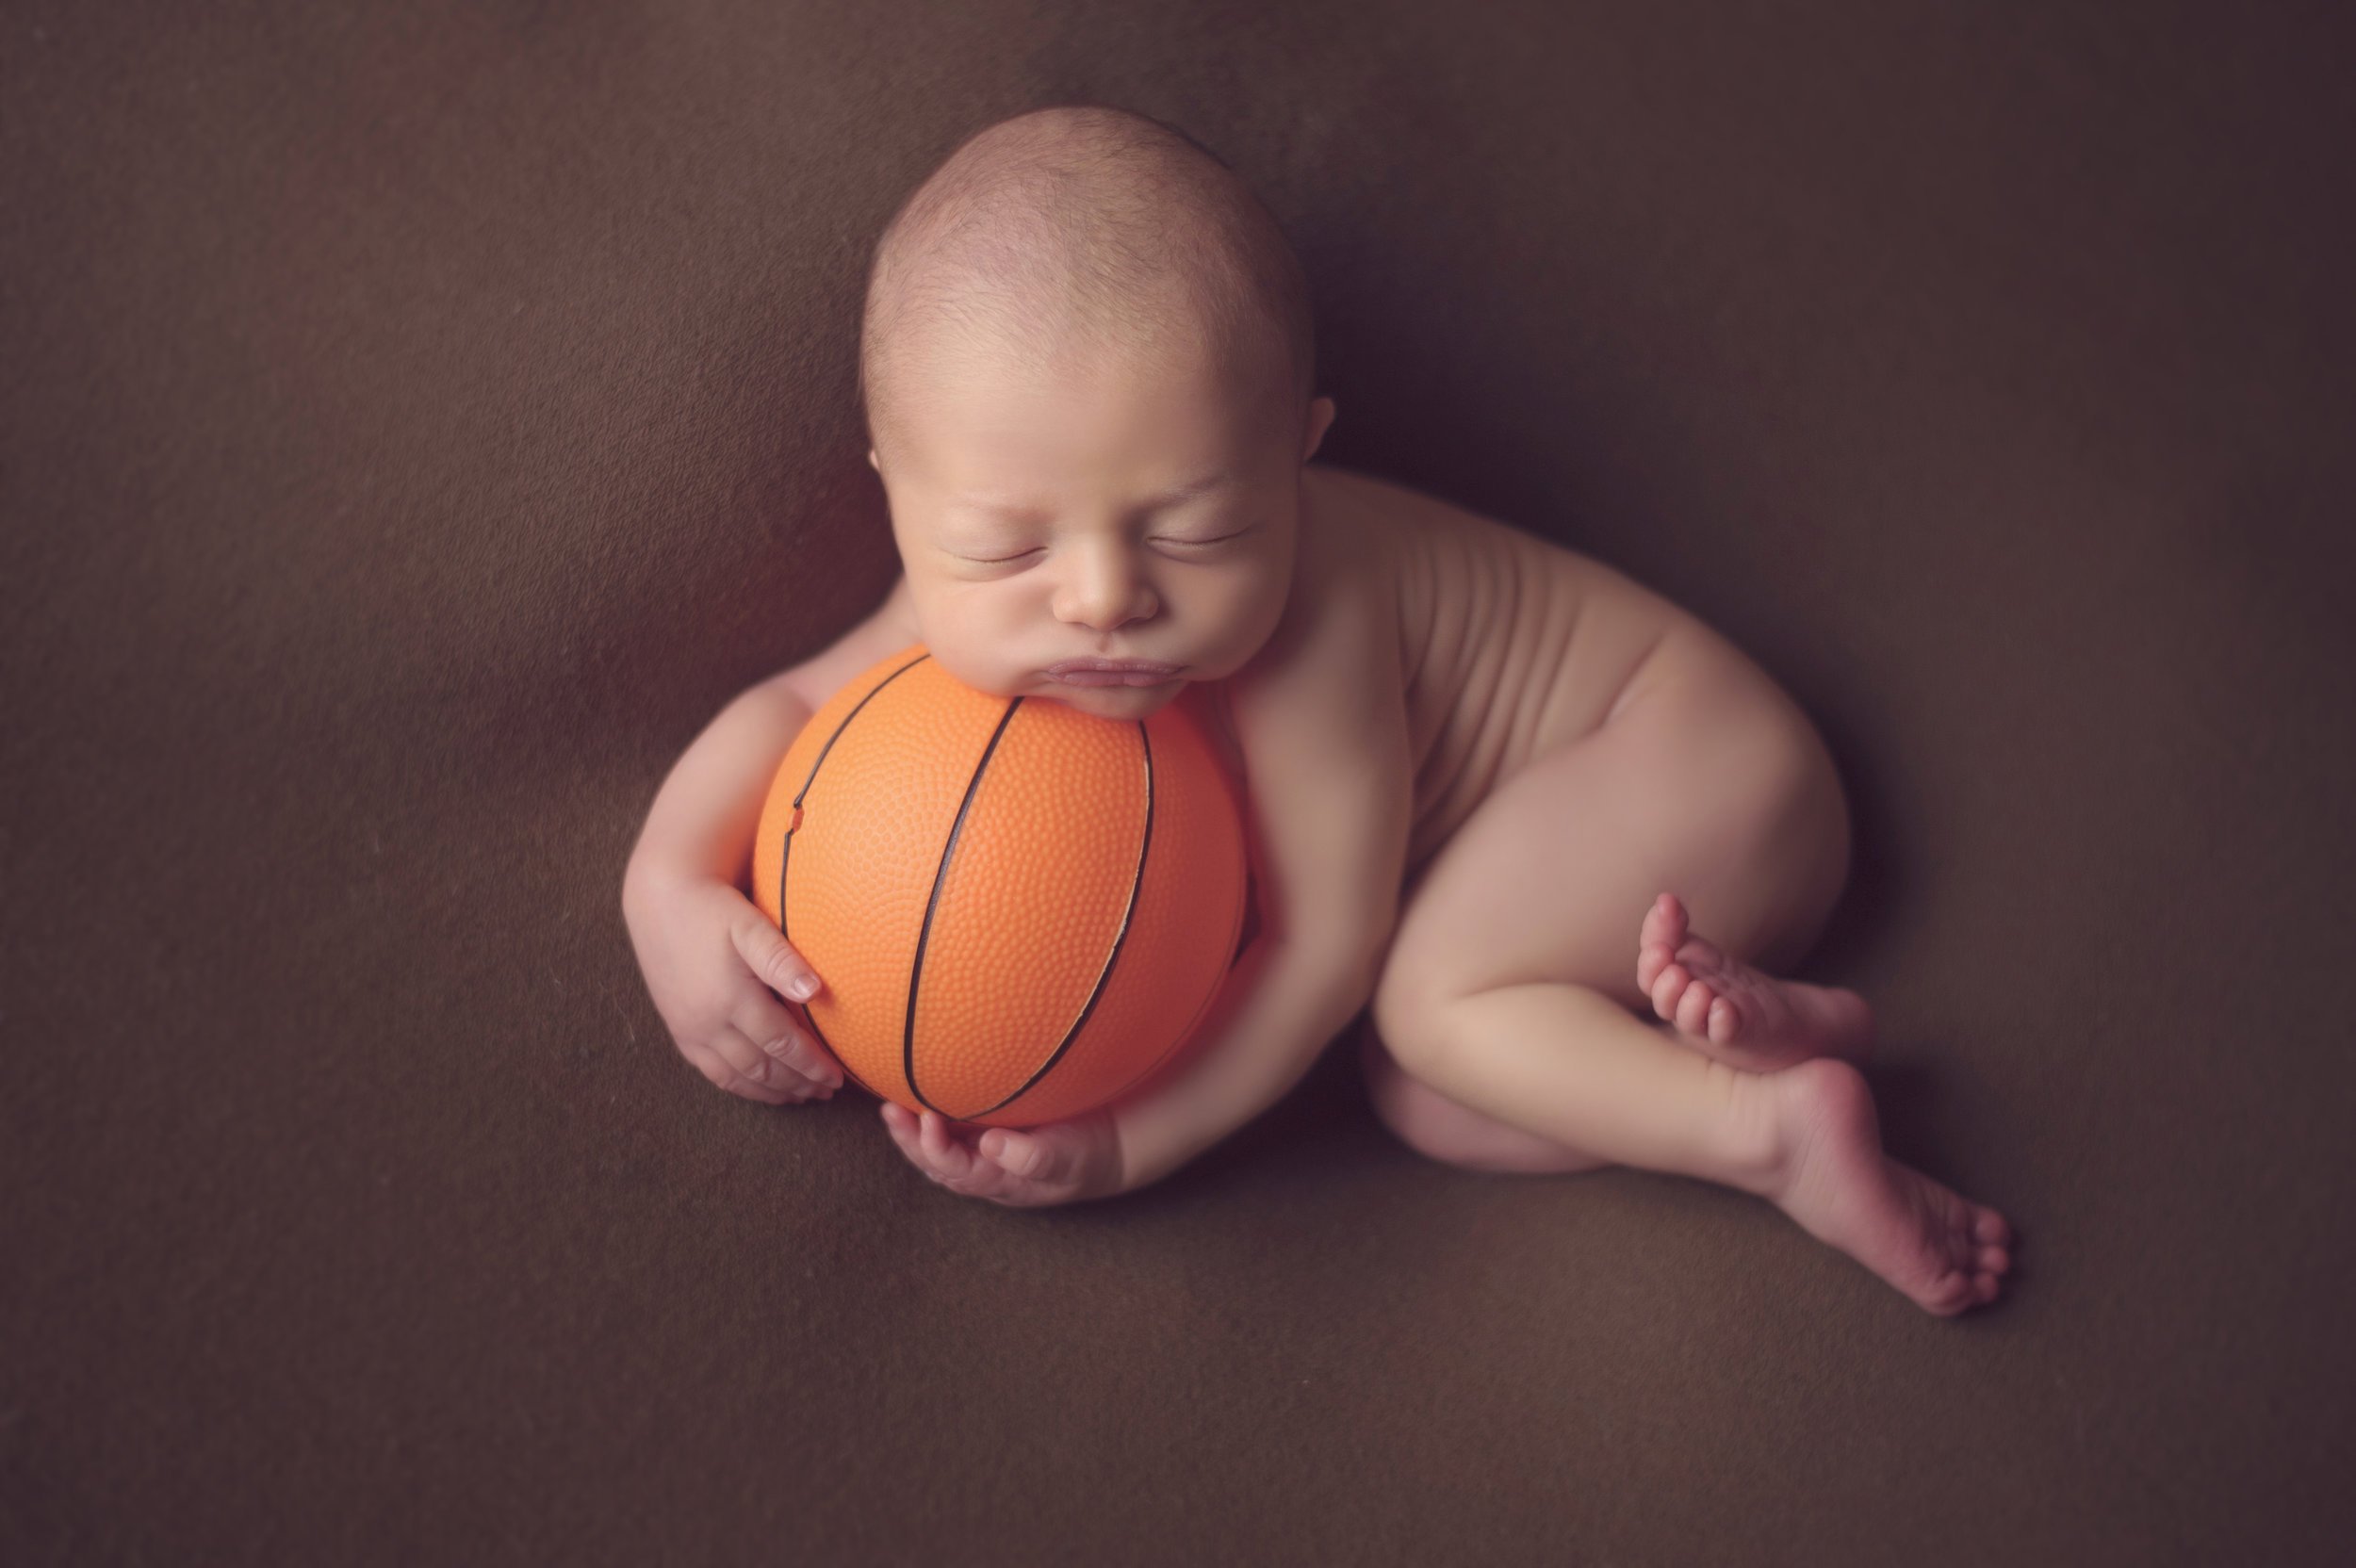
pixel 1943 1251
pixel 1733 1012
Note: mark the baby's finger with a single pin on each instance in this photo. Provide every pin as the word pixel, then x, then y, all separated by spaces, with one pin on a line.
pixel 1021 1154
pixel 769 956
pixel 1023 1168
pixel 715 1068
pixel 926 1146
pixel 780 1036
pixel 733 1046
pixel 942 1152
pixel 902 1126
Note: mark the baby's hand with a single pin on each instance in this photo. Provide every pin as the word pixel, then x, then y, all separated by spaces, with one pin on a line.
pixel 715 966
pixel 1058 1163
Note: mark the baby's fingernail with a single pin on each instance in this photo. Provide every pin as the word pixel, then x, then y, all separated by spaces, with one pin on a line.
pixel 802 988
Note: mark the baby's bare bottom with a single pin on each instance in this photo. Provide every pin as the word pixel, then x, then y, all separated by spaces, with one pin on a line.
pixel 1508 1038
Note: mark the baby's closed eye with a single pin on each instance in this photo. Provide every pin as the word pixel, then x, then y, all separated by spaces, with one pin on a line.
pixel 1203 539
pixel 1189 543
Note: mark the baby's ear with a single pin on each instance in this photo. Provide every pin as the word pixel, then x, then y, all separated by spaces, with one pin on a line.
pixel 1321 420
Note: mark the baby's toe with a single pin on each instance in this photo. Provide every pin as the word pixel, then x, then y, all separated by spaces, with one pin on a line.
pixel 1949 1294
pixel 1693 1015
pixel 1665 923
pixel 1667 986
pixel 1651 959
pixel 1703 957
pixel 1725 1021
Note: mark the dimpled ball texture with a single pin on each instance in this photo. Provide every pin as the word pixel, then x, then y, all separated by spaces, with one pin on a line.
pixel 1019 910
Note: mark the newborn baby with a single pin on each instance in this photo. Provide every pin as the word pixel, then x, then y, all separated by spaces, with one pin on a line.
pixel 1561 834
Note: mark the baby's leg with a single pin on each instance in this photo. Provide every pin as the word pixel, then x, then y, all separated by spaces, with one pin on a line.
pixel 1430 1123
pixel 1510 984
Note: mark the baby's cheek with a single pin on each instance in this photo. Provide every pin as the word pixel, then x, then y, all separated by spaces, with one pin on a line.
pixel 1252 605
pixel 982 664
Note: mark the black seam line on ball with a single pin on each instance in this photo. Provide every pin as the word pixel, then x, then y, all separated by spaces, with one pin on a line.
pixel 846 723
pixel 803 1009
pixel 785 855
pixel 1120 939
pixel 785 859
pixel 940 875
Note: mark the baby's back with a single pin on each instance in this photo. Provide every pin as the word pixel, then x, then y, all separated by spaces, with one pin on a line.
pixel 1508 645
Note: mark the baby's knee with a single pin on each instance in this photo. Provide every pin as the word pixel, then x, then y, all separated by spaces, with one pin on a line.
pixel 1782 820
pixel 1396 1098
pixel 1439 1129
pixel 1407 999
pixel 1771 775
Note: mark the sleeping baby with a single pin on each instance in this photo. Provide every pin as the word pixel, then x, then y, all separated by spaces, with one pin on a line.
pixel 1561 836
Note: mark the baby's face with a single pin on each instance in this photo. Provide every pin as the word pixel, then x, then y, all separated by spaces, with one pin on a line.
pixel 1094 533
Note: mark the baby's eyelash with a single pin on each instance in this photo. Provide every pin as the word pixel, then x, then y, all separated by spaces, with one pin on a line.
pixel 1158 539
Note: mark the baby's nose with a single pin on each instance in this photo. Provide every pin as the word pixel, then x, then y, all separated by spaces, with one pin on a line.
pixel 1105 591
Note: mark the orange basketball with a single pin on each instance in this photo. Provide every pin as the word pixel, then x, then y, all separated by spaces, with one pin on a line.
pixel 1019 910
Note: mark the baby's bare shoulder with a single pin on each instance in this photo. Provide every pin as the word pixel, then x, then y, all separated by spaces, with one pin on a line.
pixel 1413 531
pixel 1455 577
pixel 1334 667
pixel 1341 623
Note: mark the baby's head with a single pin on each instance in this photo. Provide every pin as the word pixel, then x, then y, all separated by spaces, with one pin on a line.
pixel 1087 364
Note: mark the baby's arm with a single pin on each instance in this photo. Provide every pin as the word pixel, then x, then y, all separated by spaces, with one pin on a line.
pixel 713 963
pixel 1323 724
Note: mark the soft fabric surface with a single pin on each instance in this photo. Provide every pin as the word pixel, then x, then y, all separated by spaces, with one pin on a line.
pixel 414 423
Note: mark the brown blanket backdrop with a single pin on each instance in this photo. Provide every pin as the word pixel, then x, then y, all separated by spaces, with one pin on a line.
pixel 417 420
